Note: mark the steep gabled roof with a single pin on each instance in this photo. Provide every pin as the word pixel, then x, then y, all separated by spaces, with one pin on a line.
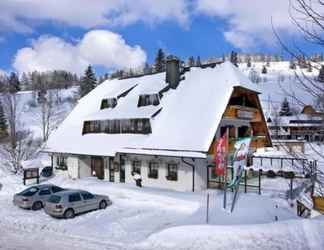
pixel 187 122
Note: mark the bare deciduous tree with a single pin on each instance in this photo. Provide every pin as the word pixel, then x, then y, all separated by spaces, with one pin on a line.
pixel 21 144
pixel 47 114
pixel 308 17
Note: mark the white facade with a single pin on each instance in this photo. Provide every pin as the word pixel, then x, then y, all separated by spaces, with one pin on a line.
pixel 80 167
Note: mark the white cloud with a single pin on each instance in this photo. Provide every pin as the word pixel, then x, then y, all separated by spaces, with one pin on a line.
pixel 107 48
pixel 249 21
pixel 97 47
pixel 2 72
pixel 19 15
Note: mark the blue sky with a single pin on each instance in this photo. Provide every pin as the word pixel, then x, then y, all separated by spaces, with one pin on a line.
pixel 110 34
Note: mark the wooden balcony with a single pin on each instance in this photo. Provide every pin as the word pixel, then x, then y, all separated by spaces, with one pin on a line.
pixel 243 113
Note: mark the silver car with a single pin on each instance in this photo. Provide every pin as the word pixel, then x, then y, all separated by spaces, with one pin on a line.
pixel 34 197
pixel 68 203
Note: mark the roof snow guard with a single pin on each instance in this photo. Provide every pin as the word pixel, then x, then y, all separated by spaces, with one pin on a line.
pixel 177 122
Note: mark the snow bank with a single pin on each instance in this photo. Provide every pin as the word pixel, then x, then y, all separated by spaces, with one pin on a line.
pixel 294 235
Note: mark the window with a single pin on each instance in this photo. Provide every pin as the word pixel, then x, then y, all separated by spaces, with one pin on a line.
pixel 172 172
pixel 29 191
pixel 108 103
pixel 96 126
pixel 61 162
pixel 146 100
pixel 86 127
pixel 153 170
pixel 243 131
pixel 125 126
pixel 242 100
pixel 105 126
pixel 87 196
pixel 136 167
pixel 91 127
pixel 115 125
pixel 45 191
pixel 56 189
pixel 133 126
pixel 139 125
pixel 74 197
pixel 54 199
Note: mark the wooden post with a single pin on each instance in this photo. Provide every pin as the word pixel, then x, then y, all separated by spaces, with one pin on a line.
pixel 245 181
pixel 207 209
pixel 260 173
pixel 291 187
pixel 207 177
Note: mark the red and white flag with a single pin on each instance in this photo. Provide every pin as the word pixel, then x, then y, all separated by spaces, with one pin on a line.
pixel 221 155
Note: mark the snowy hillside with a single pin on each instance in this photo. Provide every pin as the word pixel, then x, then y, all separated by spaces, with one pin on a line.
pixel 279 82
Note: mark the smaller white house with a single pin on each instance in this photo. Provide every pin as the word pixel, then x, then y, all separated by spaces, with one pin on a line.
pixel 162 126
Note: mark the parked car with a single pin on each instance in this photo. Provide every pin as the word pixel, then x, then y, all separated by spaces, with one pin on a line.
pixel 47 172
pixel 34 197
pixel 67 204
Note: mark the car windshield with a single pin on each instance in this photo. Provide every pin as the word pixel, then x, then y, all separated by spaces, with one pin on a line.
pixel 54 199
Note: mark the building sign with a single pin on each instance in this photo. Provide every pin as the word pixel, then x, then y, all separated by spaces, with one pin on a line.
pixel 243 114
pixel 31 173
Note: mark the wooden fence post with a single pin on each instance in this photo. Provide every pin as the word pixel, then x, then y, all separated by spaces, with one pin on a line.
pixel 207 210
pixel 245 181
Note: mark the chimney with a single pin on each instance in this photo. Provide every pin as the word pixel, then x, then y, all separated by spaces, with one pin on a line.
pixel 172 71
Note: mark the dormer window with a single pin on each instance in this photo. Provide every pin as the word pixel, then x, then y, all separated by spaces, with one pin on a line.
pixel 146 100
pixel 118 126
pixel 108 103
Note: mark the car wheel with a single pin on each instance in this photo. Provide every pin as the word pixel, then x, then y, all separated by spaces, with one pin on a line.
pixel 69 214
pixel 102 204
pixel 37 205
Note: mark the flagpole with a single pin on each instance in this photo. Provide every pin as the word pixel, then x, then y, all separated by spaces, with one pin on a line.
pixel 226 161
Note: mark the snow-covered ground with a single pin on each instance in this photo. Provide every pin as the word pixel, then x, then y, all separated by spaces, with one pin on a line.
pixel 152 218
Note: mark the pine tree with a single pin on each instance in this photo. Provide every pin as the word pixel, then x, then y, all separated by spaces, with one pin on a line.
pixel 285 108
pixel 14 83
pixel 292 65
pixel 160 61
pixel 249 64
pixel 321 74
pixel 309 67
pixel 3 122
pixel 147 69
pixel 24 80
pixel 198 62
pixel 234 58
pixel 88 82
pixel 264 70
pixel 191 61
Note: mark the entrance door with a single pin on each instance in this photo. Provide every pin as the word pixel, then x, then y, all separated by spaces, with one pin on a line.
pixel 111 170
pixel 122 169
pixel 97 167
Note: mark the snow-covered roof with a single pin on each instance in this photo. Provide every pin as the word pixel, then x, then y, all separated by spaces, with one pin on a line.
pixel 31 164
pixel 188 120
